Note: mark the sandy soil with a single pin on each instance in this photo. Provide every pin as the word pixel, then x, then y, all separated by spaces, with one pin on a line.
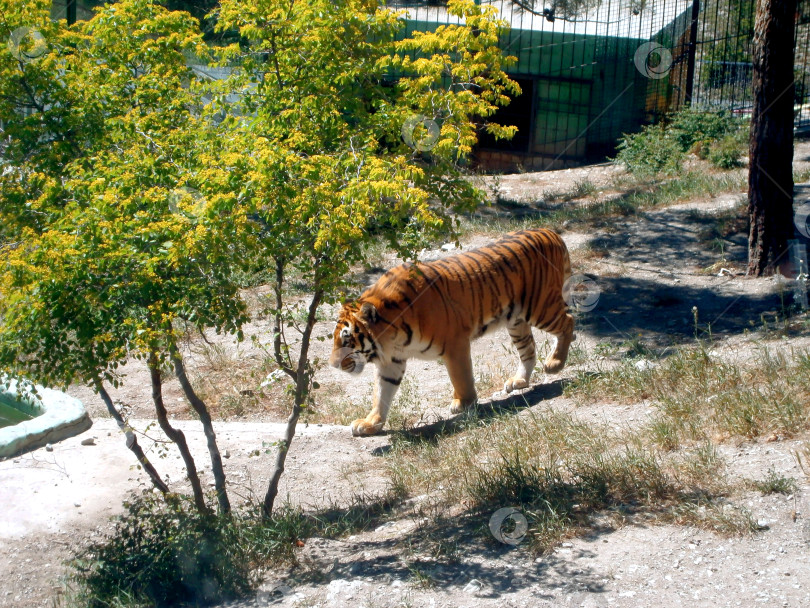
pixel 651 270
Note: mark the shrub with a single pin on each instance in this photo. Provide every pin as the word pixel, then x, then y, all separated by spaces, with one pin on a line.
pixel 164 553
pixel 727 152
pixel 690 126
pixel 717 137
pixel 651 152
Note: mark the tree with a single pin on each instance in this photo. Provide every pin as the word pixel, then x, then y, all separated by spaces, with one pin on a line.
pixel 770 176
pixel 329 87
pixel 101 259
pixel 128 205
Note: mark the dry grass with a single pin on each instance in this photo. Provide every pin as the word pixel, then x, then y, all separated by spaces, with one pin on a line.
pixel 700 396
pixel 236 381
pixel 562 473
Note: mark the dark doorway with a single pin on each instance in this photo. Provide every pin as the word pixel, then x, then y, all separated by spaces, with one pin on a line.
pixel 519 114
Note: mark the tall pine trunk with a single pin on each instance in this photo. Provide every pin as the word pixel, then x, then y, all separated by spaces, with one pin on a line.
pixel 770 175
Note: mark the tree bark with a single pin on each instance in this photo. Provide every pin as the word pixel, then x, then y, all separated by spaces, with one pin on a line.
pixel 770 174
pixel 208 427
pixel 132 441
pixel 302 382
pixel 176 435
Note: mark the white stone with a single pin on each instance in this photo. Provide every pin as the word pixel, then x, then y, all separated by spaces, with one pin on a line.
pixel 64 416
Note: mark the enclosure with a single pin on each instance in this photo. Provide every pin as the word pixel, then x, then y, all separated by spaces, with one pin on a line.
pixel 591 70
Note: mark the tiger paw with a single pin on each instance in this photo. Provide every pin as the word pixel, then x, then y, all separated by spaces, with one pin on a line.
pixel 515 383
pixel 458 405
pixel 362 427
pixel 553 366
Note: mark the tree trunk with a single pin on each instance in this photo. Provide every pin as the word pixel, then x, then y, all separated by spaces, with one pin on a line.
pixel 770 174
pixel 132 441
pixel 176 435
pixel 302 385
pixel 208 427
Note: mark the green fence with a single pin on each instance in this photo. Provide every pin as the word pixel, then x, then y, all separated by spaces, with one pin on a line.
pixel 591 70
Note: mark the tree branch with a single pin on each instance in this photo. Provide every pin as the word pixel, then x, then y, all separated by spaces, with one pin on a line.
pixel 208 427
pixel 302 386
pixel 278 341
pixel 132 440
pixel 175 435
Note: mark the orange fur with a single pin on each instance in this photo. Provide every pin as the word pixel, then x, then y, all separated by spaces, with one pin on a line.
pixel 435 309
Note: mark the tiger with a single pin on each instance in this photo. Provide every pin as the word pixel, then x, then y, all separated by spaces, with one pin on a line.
pixel 432 310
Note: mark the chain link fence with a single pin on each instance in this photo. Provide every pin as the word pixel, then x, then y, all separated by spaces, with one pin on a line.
pixel 591 70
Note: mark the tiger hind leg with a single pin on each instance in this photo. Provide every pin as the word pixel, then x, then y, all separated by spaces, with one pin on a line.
pixel 563 330
pixel 521 335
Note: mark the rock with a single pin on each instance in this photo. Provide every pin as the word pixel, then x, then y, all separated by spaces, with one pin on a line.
pixel 340 589
pixel 643 365
pixel 48 447
pixel 89 441
pixel 227 454
pixel 473 587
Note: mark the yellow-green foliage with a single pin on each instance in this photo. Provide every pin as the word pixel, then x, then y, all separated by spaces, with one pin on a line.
pixel 127 202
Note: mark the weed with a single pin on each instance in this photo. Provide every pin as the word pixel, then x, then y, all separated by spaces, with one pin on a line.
pixel 232 381
pixel 722 518
pixel 363 512
pixel 691 126
pixel 661 149
pixel 420 577
pixel 583 188
pixel 802 456
pixel 334 406
pixel 407 406
pixel 637 196
pixel 726 153
pixel 774 483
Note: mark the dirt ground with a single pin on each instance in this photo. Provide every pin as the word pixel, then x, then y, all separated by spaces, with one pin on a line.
pixel 651 270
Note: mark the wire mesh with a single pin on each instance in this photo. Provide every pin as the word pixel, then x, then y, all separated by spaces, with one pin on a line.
pixel 592 70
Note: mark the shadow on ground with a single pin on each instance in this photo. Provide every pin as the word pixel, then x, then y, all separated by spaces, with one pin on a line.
pixel 631 308
pixel 444 558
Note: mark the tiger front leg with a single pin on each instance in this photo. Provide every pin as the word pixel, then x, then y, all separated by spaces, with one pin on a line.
pixel 389 378
pixel 460 369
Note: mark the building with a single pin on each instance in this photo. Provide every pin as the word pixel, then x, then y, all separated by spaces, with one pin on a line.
pixel 589 70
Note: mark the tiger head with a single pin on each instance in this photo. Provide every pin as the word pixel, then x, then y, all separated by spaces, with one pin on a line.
pixel 354 345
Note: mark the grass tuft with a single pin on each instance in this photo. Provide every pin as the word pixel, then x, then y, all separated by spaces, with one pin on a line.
pixel 774 483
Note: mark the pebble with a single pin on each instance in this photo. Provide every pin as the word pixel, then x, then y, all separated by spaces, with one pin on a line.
pixel 89 441
pixel 473 587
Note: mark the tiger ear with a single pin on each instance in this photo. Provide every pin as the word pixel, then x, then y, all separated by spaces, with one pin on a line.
pixel 368 313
